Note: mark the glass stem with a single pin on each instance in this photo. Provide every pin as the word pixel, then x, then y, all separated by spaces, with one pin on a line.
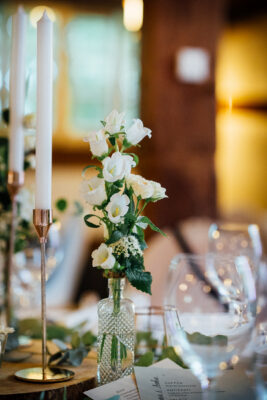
pixel 209 393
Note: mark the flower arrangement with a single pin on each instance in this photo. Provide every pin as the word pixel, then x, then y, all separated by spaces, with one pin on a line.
pixel 119 198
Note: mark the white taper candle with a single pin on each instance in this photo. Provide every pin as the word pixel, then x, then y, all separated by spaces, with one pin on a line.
pixel 17 92
pixel 44 113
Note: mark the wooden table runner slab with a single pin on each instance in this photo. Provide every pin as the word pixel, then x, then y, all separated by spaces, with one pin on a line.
pixel 13 389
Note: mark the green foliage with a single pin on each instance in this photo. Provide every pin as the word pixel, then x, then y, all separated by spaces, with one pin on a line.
pixel 140 279
pixel 156 350
pixel 170 353
pixel 61 205
pixel 145 360
pixel 73 353
pixel 146 220
pixel 33 328
pixel 200 339
pixel 88 223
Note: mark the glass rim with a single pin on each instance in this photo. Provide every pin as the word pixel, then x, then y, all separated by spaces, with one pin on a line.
pixel 233 226
pixel 204 256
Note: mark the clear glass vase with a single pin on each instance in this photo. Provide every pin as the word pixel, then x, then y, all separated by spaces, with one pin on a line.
pixel 116 334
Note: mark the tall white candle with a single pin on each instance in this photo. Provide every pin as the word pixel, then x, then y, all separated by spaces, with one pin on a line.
pixel 17 92
pixel 44 114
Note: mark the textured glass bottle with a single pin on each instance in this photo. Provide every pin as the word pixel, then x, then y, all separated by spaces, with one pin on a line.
pixel 116 334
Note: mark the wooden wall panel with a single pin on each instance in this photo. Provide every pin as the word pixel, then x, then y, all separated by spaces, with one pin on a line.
pixel 181 116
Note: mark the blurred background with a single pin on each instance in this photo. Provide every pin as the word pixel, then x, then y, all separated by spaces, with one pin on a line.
pixel 195 72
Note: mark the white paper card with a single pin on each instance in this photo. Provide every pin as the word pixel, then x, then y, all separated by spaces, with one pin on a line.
pixel 125 388
pixel 122 389
pixel 173 384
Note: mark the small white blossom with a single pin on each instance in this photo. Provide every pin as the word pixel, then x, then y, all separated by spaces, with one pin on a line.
pixel 159 192
pixel 98 143
pixel 127 245
pixel 117 207
pixel 137 132
pixel 117 166
pixel 102 257
pixel 114 122
pixel 93 190
pixel 141 186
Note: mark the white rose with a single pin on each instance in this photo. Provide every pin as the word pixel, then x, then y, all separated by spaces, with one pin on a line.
pixel 102 257
pixel 158 191
pixel 117 166
pixel 117 207
pixel 97 142
pixel 137 132
pixel 141 186
pixel 93 191
pixel 26 204
pixel 114 122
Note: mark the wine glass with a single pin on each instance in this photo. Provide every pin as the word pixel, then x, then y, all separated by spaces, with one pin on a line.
pixel 204 324
pixel 236 239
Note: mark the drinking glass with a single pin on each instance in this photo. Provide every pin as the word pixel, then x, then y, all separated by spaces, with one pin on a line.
pixel 260 372
pixel 236 239
pixel 207 326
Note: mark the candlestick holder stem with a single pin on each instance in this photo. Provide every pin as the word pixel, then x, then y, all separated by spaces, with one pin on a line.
pixel 43 291
pixel 42 220
pixel 15 181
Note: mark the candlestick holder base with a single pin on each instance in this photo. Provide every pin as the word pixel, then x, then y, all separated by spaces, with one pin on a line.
pixel 42 220
pixel 49 375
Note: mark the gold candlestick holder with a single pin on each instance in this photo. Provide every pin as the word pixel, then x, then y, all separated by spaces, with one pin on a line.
pixel 42 220
pixel 15 181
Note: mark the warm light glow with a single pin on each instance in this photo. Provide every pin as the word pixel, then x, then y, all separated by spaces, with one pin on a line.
pixel 222 365
pixel 37 12
pixel 241 161
pixel 133 14
pixel 183 287
pixel 234 359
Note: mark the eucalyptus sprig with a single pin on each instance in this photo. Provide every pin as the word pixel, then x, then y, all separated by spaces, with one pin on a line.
pixel 74 352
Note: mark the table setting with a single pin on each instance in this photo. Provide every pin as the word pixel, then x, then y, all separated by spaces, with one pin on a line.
pixel 194 327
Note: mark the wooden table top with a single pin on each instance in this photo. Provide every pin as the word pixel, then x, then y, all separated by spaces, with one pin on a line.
pixel 13 389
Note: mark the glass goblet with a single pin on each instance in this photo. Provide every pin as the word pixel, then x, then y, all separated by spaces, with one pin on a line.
pixel 203 325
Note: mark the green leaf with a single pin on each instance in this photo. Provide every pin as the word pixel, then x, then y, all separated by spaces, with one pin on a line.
pixel 112 141
pixel 78 208
pixel 76 356
pixel 126 144
pixel 61 204
pixel 198 338
pixel 141 280
pixel 55 357
pixel 115 236
pixel 135 157
pixel 75 340
pixel 145 360
pixel 88 338
pixel 90 166
pixel 90 224
pixel 123 351
pixel 6 115
pixel 102 346
pixel 170 353
pixel 146 220
pixel 103 123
